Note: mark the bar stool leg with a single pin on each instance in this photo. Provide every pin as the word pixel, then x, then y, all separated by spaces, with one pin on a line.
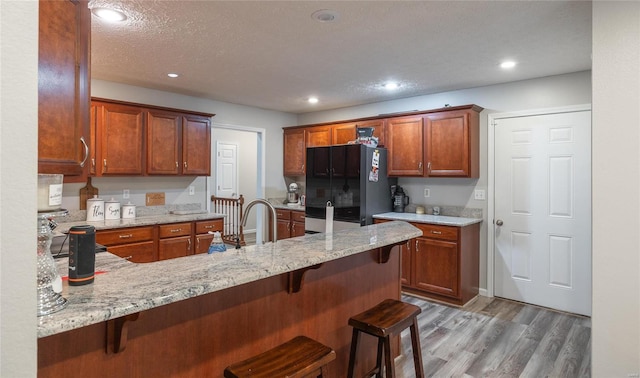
pixel 417 352
pixel 355 338
pixel 379 358
pixel 388 360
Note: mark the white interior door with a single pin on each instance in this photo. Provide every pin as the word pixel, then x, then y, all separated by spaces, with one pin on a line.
pixel 226 170
pixel 543 210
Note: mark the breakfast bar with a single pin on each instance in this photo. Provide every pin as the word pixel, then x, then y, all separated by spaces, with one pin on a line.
pixel 195 315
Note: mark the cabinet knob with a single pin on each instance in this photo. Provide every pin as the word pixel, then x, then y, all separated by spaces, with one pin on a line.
pixel 499 222
pixel 185 165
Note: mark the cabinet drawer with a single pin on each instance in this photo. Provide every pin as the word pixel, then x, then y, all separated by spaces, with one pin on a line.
pixel 135 252
pixel 124 236
pixel 174 229
pixel 297 216
pixel 202 227
pixel 438 232
pixel 283 214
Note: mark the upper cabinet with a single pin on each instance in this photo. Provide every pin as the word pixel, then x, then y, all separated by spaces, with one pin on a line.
pixel 63 88
pixel 133 139
pixel 452 142
pixel 404 142
pixel 432 143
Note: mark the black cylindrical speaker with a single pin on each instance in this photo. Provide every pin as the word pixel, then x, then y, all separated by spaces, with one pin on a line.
pixel 82 255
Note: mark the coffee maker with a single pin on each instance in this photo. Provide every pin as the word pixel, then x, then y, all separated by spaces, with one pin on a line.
pixel 400 200
pixel 293 198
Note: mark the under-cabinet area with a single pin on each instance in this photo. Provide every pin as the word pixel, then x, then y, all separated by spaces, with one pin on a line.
pixel 150 243
pixel 443 263
pixel 290 223
pixel 433 143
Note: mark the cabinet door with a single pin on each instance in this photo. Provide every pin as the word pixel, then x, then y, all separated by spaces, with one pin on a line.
pixel 174 247
pixel 284 230
pixel 451 145
pixel 378 129
pixel 135 252
pixel 343 133
pixel 297 223
pixel 405 145
pixel 120 140
pixel 436 266
pixel 163 143
pixel 294 153
pixel 318 136
pixel 63 88
pixel 406 252
pixel 202 243
pixel 196 145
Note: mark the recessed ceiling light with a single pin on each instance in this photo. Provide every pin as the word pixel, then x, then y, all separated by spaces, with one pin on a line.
pixel 508 64
pixel 313 100
pixel 110 15
pixel 391 86
pixel 325 15
pixel 172 75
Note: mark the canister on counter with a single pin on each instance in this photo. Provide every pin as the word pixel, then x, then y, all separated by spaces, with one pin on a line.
pixel 95 209
pixel 112 209
pixel 128 211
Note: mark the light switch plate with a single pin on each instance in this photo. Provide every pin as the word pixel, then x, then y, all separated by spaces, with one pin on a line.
pixel 427 192
pixel 125 193
pixel 155 199
pixel 192 190
pixel 480 195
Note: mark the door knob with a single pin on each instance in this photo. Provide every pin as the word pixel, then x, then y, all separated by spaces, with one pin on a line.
pixel 499 222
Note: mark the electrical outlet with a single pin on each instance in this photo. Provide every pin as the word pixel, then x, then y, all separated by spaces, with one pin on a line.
pixel 427 192
pixel 125 193
pixel 480 195
pixel 192 190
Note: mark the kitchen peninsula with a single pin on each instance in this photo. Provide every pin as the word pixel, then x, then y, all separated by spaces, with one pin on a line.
pixel 193 316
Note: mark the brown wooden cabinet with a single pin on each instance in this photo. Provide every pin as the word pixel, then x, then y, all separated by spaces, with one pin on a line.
pixel 133 139
pixel 343 133
pixel 63 88
pixel 443 263
pixel 174 240
pixel 202 236
pixel 452 142
pixel 119 139
pixel 318 136
pixel 290 223
pixel 294 154
pixel 136 244
pixel 404 142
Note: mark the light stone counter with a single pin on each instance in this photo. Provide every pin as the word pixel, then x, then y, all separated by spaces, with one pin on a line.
pixel 125 288
pixel 431 219
pixel 139 221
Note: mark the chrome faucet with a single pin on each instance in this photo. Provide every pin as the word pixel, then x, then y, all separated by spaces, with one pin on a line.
pixel 273 215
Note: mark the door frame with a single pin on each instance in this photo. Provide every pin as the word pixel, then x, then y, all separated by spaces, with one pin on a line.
pixel 261 169
pixel 491 154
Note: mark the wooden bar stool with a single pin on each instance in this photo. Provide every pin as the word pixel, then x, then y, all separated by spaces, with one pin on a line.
pixel 298 357
pixel 388 318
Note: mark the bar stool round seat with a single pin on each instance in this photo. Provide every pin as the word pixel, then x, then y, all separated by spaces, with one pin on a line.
pixel 297 358
pixel 388 318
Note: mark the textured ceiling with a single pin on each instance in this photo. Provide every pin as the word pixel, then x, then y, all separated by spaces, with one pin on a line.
pixel 273 55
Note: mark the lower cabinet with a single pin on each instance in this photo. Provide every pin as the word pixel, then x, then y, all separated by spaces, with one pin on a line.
pixel 203 237
pixel 161 242
pixel 135 244
pixel 175 240
pixel 443 263
pixel 290 223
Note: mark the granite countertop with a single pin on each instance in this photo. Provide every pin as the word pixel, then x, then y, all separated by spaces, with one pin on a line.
pixel 431 219
pixel 139 221
pixel 289 207
pixel 122 288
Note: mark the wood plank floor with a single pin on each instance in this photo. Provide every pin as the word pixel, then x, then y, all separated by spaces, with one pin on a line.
pixel 493 337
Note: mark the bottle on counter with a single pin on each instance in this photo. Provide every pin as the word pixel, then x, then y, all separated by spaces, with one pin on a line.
pixel 217 245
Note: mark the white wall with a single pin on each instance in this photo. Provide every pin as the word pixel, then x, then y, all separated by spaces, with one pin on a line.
pixel 247 163
pixel 553 91
pixel 616 189
pixel 18 180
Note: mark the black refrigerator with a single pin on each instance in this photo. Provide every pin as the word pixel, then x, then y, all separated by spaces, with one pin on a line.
pixel 353 178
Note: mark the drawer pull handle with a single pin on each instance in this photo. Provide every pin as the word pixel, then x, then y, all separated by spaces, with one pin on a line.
pixel 176 230
pixel 125 236
pixel 208 227
pixel 128 257
pixel 436 232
